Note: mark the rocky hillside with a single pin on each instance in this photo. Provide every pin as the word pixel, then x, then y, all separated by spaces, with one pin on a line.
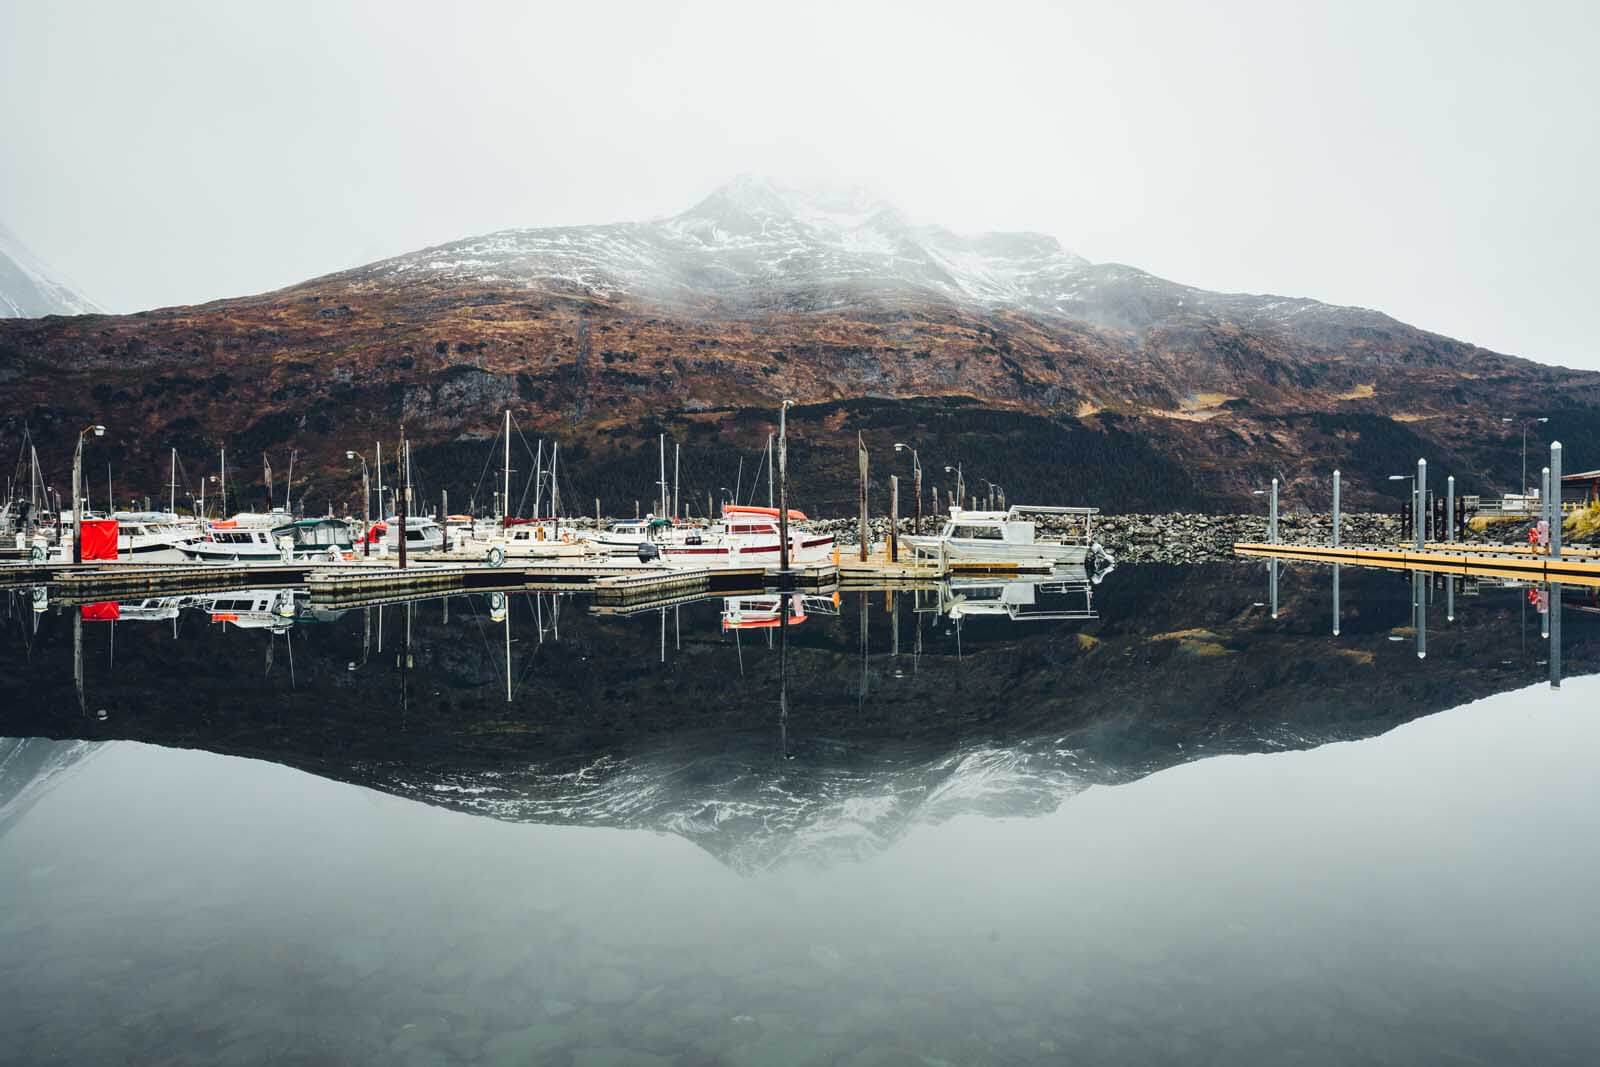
pixel 1063 380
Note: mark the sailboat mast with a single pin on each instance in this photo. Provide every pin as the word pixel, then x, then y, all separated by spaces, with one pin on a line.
pixel 677 486
pixel 555 486
pixel 769 470
pixel 505 499
pixel 663 447
pixel 223 507
pixel 172 486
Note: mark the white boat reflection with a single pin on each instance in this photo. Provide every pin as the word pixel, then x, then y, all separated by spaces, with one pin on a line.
pixel 1066 594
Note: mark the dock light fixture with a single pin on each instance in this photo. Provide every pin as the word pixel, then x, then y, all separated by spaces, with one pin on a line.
pixel 1525 424
pixel 1419 500
pixel 916 478
pixel 1272 510
pixel 96 430
pixel 366 501
pixel 961 484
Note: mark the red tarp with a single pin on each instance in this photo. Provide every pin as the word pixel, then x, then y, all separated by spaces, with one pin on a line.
pixel 106 611
pixel 99 539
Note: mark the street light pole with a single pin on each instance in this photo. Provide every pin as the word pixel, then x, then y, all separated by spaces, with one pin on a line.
pixel 366 502
pixel 77 490
pixel 961 485
pixel 1525 424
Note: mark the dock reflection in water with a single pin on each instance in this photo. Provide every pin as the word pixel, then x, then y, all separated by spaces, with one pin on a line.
pixel 976 822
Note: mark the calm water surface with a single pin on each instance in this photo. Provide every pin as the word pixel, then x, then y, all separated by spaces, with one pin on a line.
pixel 1148 820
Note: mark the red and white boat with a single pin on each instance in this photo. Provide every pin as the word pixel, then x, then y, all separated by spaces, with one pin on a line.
pixel 747 536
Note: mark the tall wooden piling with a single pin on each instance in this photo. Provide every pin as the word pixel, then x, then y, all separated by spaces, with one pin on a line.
pixel 863 534
pixel 894 518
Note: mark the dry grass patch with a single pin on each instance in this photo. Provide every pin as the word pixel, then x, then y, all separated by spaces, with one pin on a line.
pixel 1582 525
pixel 1187 635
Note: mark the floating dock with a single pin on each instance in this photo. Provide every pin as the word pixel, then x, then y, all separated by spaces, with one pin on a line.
pixel 1487 561
pixel 616 581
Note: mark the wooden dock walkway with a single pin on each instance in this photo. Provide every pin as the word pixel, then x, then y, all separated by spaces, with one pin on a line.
pixel 879 569
pixel 1466 560
pixel 613 580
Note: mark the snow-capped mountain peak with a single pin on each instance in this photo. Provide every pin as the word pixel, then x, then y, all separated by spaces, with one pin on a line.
pixel 764 243
pixel 29 289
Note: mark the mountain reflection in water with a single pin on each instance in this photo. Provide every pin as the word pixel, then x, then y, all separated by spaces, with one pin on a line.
pixel 771 729
pixel 819 832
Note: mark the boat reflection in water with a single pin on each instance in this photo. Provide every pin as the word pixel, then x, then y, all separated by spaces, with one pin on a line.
pixel 979 694
pixel 1063 596
pixel 790 828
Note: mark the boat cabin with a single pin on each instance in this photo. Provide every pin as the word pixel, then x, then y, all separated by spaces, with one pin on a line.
pixel 314 534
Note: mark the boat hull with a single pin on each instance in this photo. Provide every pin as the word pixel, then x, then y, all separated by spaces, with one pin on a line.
pixel 986 551
pixel 803 550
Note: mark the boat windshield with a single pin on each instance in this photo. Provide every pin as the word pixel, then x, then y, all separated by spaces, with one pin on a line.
pixel 975 532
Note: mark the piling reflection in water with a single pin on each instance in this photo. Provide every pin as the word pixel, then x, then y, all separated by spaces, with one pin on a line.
pixel 1012 907
pixel 596 717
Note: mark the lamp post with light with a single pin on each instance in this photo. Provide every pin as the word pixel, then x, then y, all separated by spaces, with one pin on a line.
pixel 366 502
pixel 916 479
pixel 961 484
pixel 77 490
pixel 1525 424
pixel 1272 510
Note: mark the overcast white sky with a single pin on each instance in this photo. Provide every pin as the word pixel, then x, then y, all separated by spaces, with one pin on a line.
pixel 1437 161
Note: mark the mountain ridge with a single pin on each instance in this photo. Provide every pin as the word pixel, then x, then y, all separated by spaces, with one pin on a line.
pixel 1003 352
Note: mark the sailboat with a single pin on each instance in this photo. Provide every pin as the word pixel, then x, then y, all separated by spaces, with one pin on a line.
pixel 535 538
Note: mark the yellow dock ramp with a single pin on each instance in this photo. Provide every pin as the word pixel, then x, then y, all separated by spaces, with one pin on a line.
pixel 1467 560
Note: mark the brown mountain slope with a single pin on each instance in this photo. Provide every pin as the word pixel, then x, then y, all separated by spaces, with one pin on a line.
pixel 1112 387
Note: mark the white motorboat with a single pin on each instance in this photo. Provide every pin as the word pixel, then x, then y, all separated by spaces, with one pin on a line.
pixel 1009 537
pixel 747 536
pixel 530 539
pixel 154 536
pixel 422 534
pixel 245 539
pixel 622 538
